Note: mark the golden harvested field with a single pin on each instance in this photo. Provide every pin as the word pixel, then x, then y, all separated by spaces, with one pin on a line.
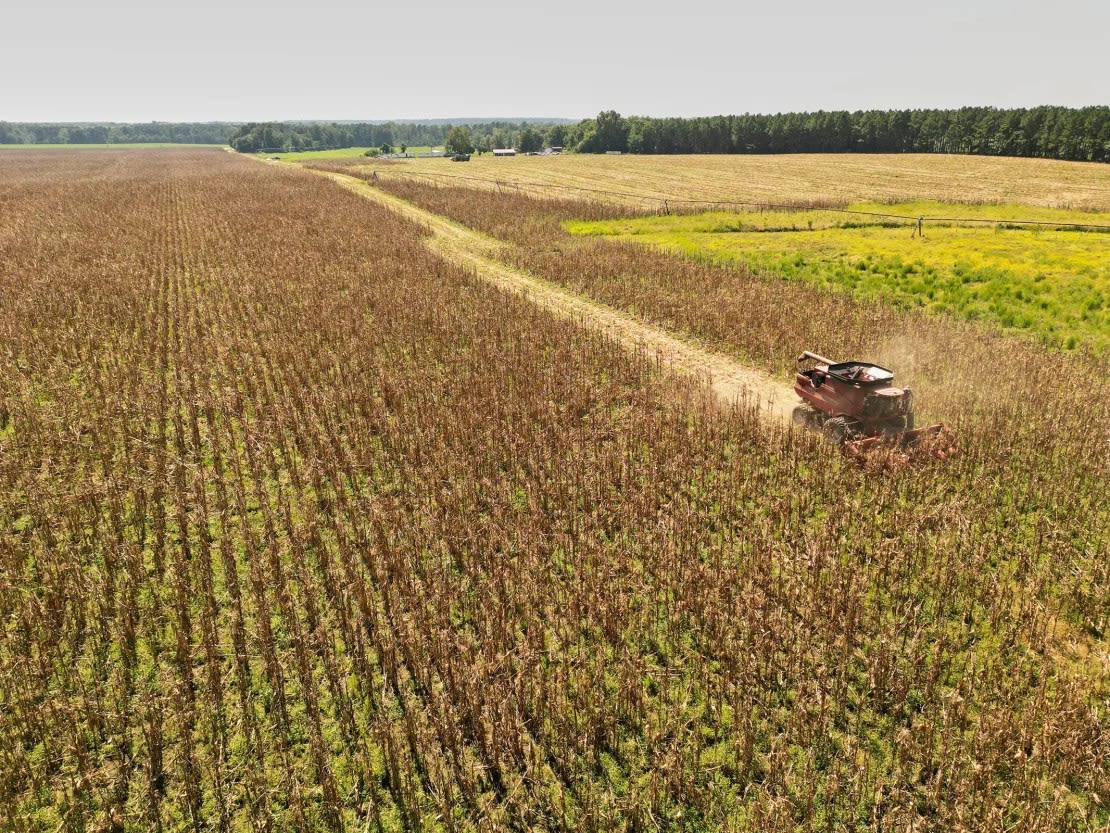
pixel 791 178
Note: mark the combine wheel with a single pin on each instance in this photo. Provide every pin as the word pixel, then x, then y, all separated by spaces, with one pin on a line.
pixel 802 416
pixel 838 429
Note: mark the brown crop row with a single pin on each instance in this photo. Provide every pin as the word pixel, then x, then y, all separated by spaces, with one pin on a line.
pixel 304 528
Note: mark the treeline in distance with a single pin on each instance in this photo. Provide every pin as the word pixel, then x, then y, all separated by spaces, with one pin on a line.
pixel 279 136
pixel 106 133
pixel 256 136
pixel 1081 134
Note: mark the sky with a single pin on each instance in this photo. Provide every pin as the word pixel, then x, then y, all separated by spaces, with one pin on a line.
pixel 122 60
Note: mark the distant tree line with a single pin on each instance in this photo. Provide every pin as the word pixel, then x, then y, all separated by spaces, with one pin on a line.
pixel 29 133
pixel 486 136
pixel 256 136
pixel 1081 134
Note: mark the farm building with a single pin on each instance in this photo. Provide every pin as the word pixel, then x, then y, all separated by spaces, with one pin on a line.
pixel 504 152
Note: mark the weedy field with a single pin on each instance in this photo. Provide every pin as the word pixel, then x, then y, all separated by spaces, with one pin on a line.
pixel 304 528
pixel 1052 280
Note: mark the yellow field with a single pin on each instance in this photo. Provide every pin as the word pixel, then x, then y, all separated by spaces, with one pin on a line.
pixel 1048 281
pixel 788 178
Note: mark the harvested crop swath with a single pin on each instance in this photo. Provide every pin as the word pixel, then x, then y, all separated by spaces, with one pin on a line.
pixel 303 528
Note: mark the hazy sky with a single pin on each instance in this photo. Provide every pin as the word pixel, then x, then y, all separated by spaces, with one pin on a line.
pixel 191 60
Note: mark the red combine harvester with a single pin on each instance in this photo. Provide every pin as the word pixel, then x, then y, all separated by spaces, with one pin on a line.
pixel 856 404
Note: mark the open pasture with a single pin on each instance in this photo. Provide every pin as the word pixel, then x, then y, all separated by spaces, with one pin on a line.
pixel 645 181
pixel 348 154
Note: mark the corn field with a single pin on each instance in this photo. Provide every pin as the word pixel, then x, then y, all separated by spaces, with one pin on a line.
pixel 304 528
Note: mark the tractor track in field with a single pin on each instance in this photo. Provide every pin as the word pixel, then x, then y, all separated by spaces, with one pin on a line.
pixel 730 380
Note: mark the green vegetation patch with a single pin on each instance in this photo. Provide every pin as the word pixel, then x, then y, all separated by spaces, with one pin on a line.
pixel 337 153
pixel 1052 281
